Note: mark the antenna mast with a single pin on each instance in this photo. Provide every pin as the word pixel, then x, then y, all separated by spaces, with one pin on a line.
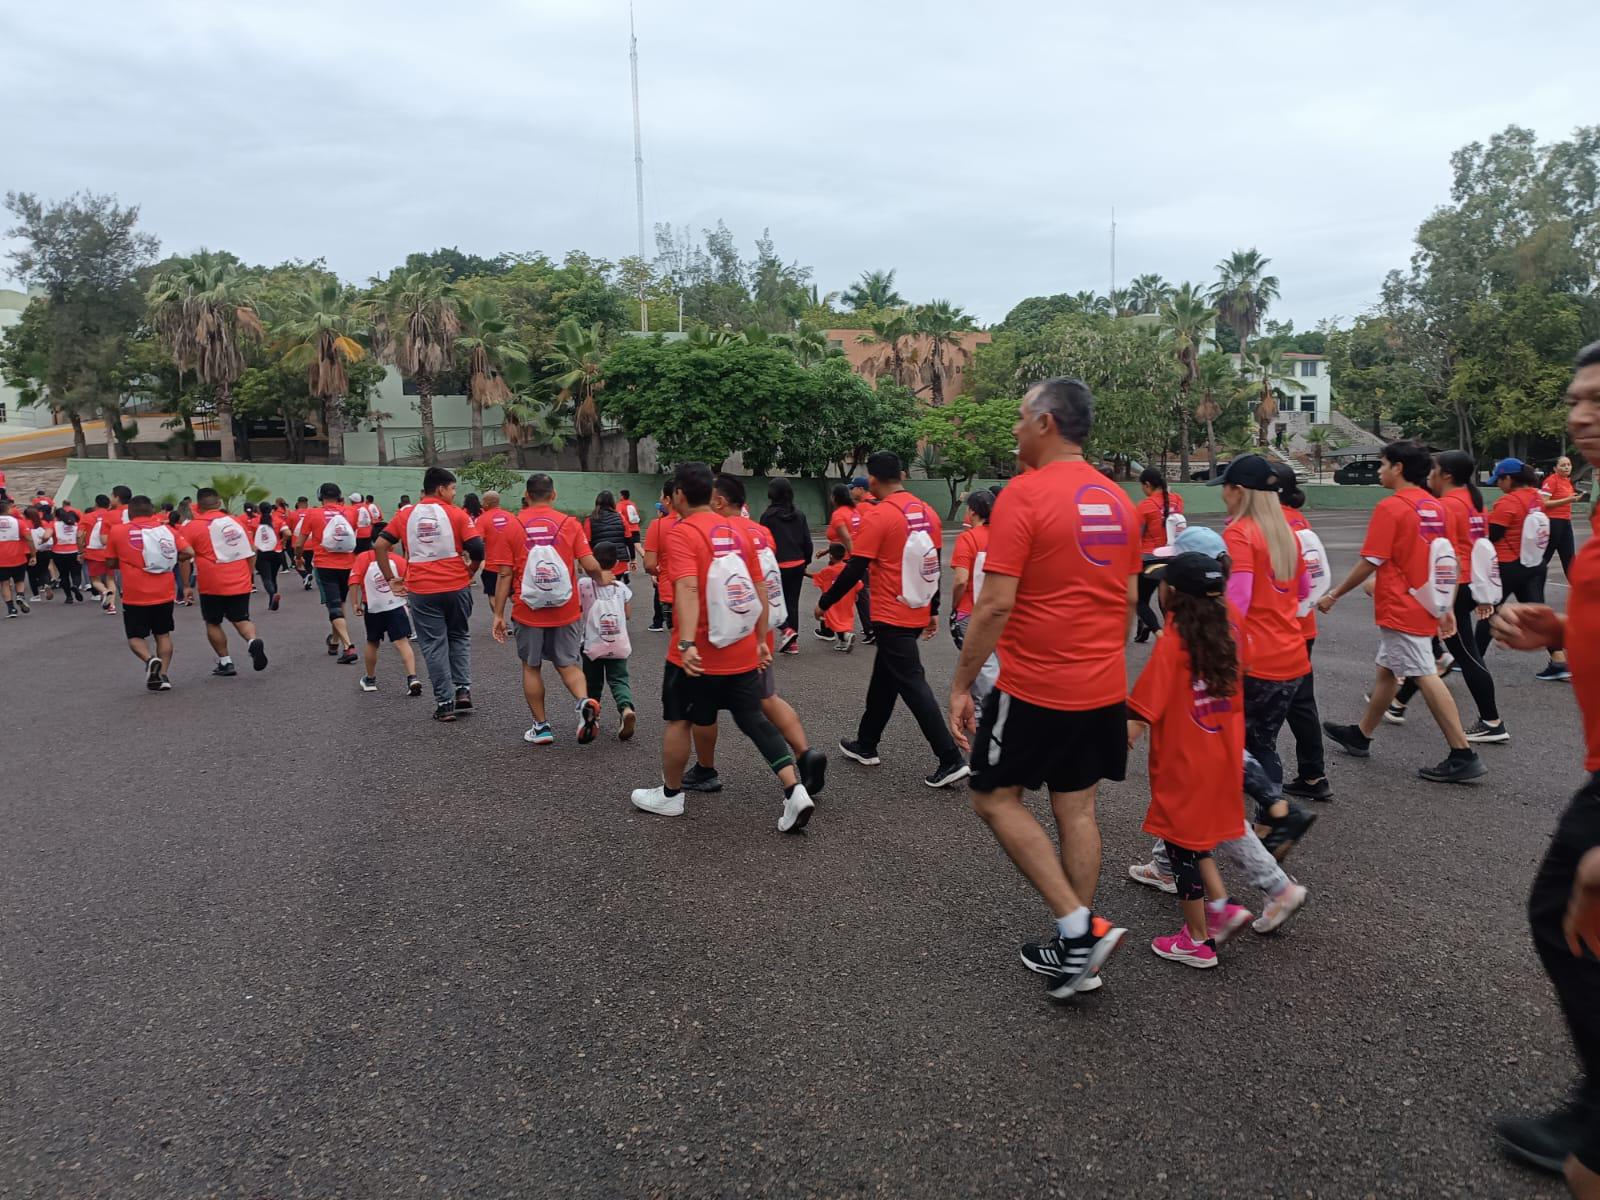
pixel 638 163
pixel 1113 296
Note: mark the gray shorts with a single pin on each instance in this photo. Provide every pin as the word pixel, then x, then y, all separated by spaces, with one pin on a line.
pixel 1406 655
pixel 559 645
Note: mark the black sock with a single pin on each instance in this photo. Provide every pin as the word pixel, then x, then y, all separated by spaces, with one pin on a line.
pixel 670 792
pixel 789 790
pixel 1467 753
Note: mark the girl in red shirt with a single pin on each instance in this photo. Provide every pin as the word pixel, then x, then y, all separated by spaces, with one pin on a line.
pixel 1559 497
pixel 1520 496
pixel 1158 504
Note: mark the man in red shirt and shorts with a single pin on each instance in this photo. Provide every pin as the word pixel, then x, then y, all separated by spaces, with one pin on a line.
pixel 146 549
pixel 224 564
pixel 1060 587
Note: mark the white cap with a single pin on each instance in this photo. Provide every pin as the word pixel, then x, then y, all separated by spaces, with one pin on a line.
pixel 355 497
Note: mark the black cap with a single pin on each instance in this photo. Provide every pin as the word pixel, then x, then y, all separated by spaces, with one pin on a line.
pixel 1249 471
pixel 1192 574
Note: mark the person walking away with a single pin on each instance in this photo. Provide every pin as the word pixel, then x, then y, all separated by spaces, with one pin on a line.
pixel 1557 496
pixel 791 542
pixel 146 550
pixel 1304 720
pixel 92 543
pixel 1190 699
pixel 65 530
pixel 1154 512
pixel 547 611
pixel 1515 522
pixel 967 569
pixel 360 517
pixel 1398 550
pixel 224 565
pixel 16 555
pixel 1454 481
pixel 383 615
pixel 268 541
pixel 330 536
pixel 43 540
pixel 442 553
pixel 630 525
pixel 655 544
pixel 1057 606
pixel 496 527
pixel 605 524
pixel 897 550
pixel 718 649
pixel 607 605
pixel 843 524
pixel 1564 903
pixel 303 562
pixel 840 620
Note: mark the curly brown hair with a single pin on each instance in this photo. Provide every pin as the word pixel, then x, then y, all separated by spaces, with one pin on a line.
pixel 1202 623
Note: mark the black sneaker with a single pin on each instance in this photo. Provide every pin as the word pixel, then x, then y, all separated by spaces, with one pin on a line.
pixel 951 773
pixel 1458 768
pixel 823 634
pixel 445 711
pixel 1077 960
pixel 463 700
pixel 258 654
pixel 813 768
pixel 346 656
pixel 22 605
pixel 653 627
pixel 165 685
pixel 1286 831
pixel 1485 732
pixel 856 752
pixel 869 638
pixel 701 779
pixel 332 643
pixel 1349 738
pixel 1395 714
pixel 1305 789
pixel 152 674
pixel 413 686
pixel 1555 672
pixel 1546 1142
pixel 1035 958
pixel 368 684
pixel 225 669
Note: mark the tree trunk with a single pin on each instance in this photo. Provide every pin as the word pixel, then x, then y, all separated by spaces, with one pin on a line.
pixel 581 444
pixel 476 418
pixel 334 420
pixel 80 443
pixel 1183 437
pixel 430 451
pixel 383 446
pixel 111 437
pixel 1211 448
pixel 225 421
pixel 633 456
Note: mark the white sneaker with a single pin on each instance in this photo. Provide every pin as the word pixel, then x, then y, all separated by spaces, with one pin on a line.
pixel 797 810
pixel 655 800
pixel 1280 908
pixel 1150 875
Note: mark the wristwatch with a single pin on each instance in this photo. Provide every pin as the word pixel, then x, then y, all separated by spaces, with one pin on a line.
pixel 682 646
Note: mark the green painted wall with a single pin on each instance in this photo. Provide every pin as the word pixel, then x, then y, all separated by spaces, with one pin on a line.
pixel 575 491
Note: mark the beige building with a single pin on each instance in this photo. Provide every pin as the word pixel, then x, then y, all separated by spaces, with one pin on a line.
pixel 873 360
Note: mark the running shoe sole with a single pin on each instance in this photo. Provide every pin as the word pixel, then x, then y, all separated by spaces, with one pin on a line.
pixel 866 760
pixel 588 722
pixel 1091 984
pixel 414 688
pixel 625 730
pixel 813 768
pixel 152 674
pixel 1103 950
pixel 1305 898
pixel 258 654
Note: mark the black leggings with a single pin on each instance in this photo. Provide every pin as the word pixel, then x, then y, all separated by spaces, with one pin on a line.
pixel 1522 584
pixel 1148 621
pixel 1562 544
pixel 753 723
pixel 268 564
pixel 1305 723
pixel 39 574
pixel 793 578
pixel 71 573
pixel 1464 647
pixel 1186 871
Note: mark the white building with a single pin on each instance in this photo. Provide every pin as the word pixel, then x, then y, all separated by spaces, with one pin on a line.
pixel 13 417
pixel 1314 396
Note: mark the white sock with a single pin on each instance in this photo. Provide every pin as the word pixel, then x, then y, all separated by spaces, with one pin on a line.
pixel 225 660
pixel 1216 906
pixel 1074 924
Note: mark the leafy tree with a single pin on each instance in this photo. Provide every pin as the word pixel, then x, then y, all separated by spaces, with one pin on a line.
pixel 966 439
pixel 415 323
pixel 577 368
pixel 484 350
pixel 1034 313
pixel 893 331
pixel 1373 378
pixel 941 323
pixel 203 308
pixel 88 256
pixel 1243 293
pixel 273 390
pixel 489 475
pixel 456 265
pixel 315 330
pixel 533 425
pixel 875 289
pixel 1513 373
pixel 1217 383
pixel 1186 321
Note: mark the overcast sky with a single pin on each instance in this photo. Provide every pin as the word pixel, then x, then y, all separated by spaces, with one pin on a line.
pixel 976 148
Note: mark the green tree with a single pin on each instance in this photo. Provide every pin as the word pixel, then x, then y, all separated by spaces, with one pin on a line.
pixel 892 331
pixel 484 349
pixel 875 289
pixel 1373 377
pixel 203 308
pixel 1147 293
pixel 414 325
pixel 967 438
pixel 577 371
pixel 87 255
pixel 1243 293
pixel 1271 374
pixel 1034 313
pixel 1323 439
pixel 942 324
pixel 456 265
pixel 1186 322
pixel 315 330
pixel 1217 382
pixel 1512 376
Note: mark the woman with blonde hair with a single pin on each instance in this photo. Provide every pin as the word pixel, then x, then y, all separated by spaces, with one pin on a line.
pixel 1266 587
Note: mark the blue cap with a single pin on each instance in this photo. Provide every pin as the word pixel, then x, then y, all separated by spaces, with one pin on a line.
pixel 1506 466
pixel 860 481
pixel 1197 539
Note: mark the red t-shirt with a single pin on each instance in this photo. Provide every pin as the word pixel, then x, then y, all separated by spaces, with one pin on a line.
pixel 1152 524
pixel 1583 645
pixel 218 578
pixel 882 538
pixel 1070 538
pixel 843 519
pixel 841 618
pixel 499 532
pixel 693 542
pixel 629 512
pixel 1396 543
pixel 970 542
pixel 1196 751
pixel 542 525
pixel 655 542
pixel 316 522
pixel 1509 512
pixel 16 539
pixel 1272 629
pixel 127 547
pixel 433 564
pixel 1464 524
pixel 1558 487
pixel 85 530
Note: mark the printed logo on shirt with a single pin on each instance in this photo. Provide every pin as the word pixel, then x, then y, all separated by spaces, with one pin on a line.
pixel 1431 520
pixel 541 533
pixel 1477 525
pixel 232 535
pixel 1208 710
pixel 428 528
pixel 1100 527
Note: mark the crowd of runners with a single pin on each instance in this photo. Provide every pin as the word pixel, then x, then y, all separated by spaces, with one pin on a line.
pixel 1051 575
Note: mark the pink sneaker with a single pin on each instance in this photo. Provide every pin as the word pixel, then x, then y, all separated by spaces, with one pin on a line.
pixel 1180 947
pixel 1222 926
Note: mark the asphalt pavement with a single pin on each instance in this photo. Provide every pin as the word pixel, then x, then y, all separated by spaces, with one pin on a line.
pixel 270 937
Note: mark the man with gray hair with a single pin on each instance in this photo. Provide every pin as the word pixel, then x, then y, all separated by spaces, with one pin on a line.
pixel 1060 585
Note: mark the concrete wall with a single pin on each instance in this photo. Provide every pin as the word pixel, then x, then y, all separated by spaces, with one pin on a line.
pixel 575 491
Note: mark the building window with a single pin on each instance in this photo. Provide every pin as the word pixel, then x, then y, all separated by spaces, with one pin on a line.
pixel 1308 368
pixel 835 343
pixel 1308 404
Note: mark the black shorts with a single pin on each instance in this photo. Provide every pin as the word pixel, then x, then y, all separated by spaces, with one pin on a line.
pixel 214 610
pixel 363 544
pixel 1023 745
pixel 16 574
pixel 394 624
pixel 698 699
pixel 144 620
pixel 333 585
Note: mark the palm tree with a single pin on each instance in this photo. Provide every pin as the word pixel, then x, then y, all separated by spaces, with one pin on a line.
pixel 942 324
pixel 577 369
pixel 889 330
pixel 317 327
pixel 378 417
pixel 205 315
pixel 1243 293
pixel 1088 302
pixel 1270 373
pixel 530 425
pixel 1186 323
pixel 484 348
pixel 808 344
pixel 414 326
pixel 1322 439
pixel 875 289
pixel 1216 379
pixel 1147 293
